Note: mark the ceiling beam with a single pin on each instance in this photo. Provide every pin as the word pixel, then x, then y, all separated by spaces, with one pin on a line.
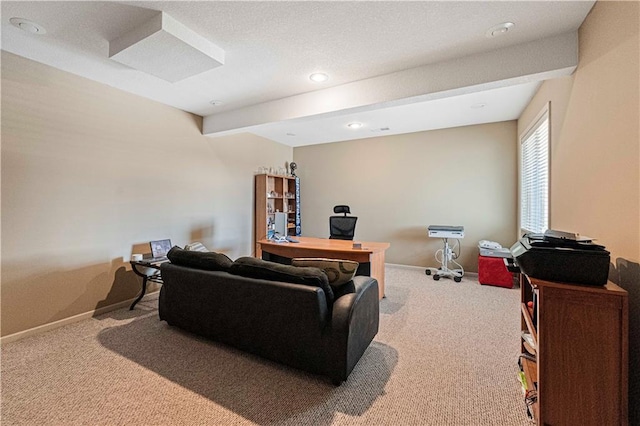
pixel 534 61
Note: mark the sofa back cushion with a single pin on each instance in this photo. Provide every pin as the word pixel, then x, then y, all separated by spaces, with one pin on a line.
pixel 252 267
pixel 208 261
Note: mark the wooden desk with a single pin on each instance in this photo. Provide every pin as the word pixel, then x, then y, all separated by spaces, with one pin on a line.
pixel 370 256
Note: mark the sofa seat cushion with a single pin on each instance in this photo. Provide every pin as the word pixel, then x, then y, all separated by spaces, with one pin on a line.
pixel 339 272
pixel 208 261
pixel 252 267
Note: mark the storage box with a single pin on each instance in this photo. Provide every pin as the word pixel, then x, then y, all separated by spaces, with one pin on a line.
pixel 492 271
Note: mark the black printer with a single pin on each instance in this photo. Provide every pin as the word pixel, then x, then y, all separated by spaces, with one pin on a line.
pixel 561 256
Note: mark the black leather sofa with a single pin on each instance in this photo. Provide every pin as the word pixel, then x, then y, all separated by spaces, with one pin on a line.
pixel 292 324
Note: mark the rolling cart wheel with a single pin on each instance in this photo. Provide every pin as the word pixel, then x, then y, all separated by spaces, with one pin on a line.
pixel 457 279
pixel 436 277
pixel 427 271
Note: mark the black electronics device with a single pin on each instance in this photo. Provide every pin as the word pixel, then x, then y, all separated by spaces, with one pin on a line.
pixel 561 256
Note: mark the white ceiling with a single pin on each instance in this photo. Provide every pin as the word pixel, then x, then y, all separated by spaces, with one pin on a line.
pixel 405 65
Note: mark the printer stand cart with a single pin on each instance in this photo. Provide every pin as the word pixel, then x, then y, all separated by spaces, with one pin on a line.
pixel 575 352
pixel 447 254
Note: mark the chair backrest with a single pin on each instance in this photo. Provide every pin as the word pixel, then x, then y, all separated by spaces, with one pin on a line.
pixel 342 227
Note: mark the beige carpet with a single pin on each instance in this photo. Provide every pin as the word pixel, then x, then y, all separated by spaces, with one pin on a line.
pixel 445 355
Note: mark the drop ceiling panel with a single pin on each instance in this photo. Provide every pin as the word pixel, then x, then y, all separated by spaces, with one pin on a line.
pixel 165 48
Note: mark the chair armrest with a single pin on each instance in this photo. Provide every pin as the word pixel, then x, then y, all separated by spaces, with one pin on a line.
pixel 354 324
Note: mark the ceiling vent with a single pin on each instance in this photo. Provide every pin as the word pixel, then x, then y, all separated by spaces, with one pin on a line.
pixel 165 48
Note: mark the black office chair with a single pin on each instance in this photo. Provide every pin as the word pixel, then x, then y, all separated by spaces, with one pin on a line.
pixel 342 227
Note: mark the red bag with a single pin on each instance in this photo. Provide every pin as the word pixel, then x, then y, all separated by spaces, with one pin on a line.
pixel 492 271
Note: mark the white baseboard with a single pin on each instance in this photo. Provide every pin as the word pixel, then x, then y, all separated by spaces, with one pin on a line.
pixel 66 321
pixel 422 268
pixel 397 265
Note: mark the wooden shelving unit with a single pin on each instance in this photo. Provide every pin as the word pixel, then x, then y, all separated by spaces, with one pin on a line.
pixel 275 194
pixel 580 336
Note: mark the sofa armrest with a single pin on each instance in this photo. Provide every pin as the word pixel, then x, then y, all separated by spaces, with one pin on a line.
pixel 354 324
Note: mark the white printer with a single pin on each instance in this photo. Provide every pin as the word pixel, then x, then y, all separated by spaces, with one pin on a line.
pixel 493 249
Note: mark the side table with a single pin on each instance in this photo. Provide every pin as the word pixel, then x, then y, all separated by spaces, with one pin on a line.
pixel 149 271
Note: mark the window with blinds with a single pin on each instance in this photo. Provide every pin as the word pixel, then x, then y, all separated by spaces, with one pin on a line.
pixel 534 175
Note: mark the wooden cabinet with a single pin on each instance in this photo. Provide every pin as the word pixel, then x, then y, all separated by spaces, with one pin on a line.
pixel 277 206
pixel 578 336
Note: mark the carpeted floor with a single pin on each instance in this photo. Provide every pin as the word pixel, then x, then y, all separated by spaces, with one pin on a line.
pixel 445 355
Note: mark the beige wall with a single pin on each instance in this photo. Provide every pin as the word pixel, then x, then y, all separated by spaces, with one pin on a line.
pixel 90 174
pixel 595 136
pixel 399 185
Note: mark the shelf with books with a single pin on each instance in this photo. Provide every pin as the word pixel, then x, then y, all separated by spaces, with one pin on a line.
pixel 529 380
pixel 528 322
pixel 275 194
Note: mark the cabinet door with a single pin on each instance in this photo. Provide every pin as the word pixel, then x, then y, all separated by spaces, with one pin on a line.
pixel 580 356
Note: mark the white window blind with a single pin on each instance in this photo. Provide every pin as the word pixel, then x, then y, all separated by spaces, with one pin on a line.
pixel 534 176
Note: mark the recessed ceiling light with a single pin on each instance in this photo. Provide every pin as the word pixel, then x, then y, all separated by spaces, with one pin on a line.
pixel 478 105
pixel 354 125
pixel 499 29
pixel 215 102
pixel 28 26
pixel 319 77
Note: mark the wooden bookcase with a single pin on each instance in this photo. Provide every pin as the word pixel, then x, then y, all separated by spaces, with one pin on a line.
pixel 580 339
pixel 274 194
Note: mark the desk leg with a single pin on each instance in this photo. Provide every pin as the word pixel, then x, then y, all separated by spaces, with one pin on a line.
pixel 144 290
pixel 377 271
